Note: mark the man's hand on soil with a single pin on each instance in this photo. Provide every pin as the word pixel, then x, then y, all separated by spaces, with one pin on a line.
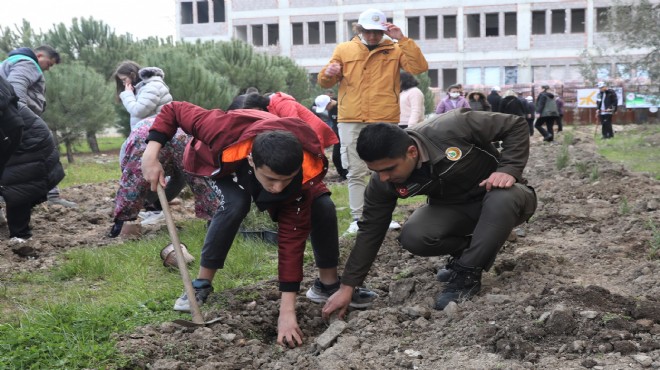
pixel 498 180
pixel 338 301
pixel 288 332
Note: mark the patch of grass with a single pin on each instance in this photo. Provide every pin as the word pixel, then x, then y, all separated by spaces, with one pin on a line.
pixel 636 148
pixel 105 144
pixel 86 172
pixel 624 207
pixel 568 138
pixel 654 241
pixel 65 318
pixel 595 174
pixel 562 158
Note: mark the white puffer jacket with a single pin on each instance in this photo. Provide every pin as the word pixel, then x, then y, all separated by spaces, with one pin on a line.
pixel 149 97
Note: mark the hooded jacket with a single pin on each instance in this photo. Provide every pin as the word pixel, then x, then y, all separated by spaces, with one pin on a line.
pixel 283 105
pixel 478 105
pixel 460 157
pixel 22 70
pixel 149 97
pixel 35 166
pixel 447 104
pixel 544 98
pixel 220 145
pixel 611 100
pixel 369 82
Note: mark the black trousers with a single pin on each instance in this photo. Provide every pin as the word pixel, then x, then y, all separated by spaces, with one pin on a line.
pixel 606 124
pixel 336 155
pixel 474 231
pixel 530 122
pixel 545 121
pixel 18 220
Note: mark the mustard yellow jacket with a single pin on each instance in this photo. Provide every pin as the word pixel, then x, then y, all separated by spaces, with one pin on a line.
pixel 369 80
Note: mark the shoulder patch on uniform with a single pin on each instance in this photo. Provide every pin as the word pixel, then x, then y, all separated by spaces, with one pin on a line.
pixel 453 153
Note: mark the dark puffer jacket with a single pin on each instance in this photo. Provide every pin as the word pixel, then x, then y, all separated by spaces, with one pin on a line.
pixel 35 166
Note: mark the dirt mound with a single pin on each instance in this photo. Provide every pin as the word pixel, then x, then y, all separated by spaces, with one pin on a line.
pixel 577 291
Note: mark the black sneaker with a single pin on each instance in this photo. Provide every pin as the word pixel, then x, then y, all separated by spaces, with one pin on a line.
pixel 444 274
pixel 202 288
pixel 464 283
pixel 116 229
pixel 319 293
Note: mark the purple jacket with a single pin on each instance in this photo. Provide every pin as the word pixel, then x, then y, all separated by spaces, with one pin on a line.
pixel 447 104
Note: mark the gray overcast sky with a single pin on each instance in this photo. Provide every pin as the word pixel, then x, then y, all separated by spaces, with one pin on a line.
pixel 142 18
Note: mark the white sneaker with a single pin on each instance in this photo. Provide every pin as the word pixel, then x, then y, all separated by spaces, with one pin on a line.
pixel 3 219
pixel 352 228
pixel 153 219
pixel 394 225
pixel 17 240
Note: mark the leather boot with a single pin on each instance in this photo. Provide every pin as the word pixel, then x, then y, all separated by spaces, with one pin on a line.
pixel 444 274
pixel 465 282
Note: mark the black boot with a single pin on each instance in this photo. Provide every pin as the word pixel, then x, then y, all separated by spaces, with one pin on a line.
pixel 444 274
pixel 465 282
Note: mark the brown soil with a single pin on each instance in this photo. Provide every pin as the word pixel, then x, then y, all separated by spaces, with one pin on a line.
pixel 578 291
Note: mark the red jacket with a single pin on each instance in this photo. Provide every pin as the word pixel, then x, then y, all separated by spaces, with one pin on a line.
pixel 221 142
pixel 283 105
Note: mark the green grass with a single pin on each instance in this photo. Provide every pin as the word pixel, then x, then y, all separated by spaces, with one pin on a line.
pixel 65 318
pixel 105 144
pixel 637 148
pixel 654 242
pixel 86 172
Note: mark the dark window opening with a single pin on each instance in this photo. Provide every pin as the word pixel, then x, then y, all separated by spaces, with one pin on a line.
pixel 577 20
pixel 186 13
pixel 297 33
pixel 449 77
pixel 219 11
pixel 472 24
pixel 449 26
pixel 314 33
pixel 510 24
pixel 602 15
pixel 492 24
pixel 431 27
pixel 330 32
pixel 258 35
pixel 433 76
pixel 273 34
pixel 558 21
pixel 510 75
pixel 241 33
pixel 538 22
pixel 413 28
pixel 203 12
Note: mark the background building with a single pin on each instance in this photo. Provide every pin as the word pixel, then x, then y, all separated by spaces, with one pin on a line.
pixel 479 42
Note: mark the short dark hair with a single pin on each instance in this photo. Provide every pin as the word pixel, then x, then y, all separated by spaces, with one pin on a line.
pixel 382 140
pixel 408 81
pixel 52 53
pixel 237 103
pixel 256 101
pixel 279 150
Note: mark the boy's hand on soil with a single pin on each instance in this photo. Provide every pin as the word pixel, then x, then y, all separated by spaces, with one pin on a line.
pixel 288 332
pixel 498 180
pixel 338 301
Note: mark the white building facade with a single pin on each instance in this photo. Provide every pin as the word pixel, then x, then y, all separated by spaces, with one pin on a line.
pixel 474 42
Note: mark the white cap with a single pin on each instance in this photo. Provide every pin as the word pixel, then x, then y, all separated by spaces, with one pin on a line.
pixel 496 88
pixel 321 102
pixel 601 84
pixel 372 19
pixel 529 98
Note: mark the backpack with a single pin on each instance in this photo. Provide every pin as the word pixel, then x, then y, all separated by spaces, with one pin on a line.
pixel 550 108
pixel 11 122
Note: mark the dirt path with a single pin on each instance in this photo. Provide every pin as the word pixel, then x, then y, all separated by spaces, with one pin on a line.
pixel 576 292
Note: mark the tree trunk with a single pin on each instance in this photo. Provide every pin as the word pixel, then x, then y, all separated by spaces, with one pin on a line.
pixel 69 150
pixel 93 144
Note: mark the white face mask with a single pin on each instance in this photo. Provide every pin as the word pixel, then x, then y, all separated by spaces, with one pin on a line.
pixel 454 95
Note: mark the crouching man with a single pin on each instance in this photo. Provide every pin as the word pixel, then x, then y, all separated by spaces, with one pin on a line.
pixel 475 196
pixel 277 163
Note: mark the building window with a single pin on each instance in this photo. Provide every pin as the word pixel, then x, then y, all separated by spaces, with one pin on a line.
pixel 349 28
pixel 273 34
pixel 241 33
pixel 431 27
pixel 186 13
pixel 601 19
pixel 492 76
pixel 433 76
pixel 623 71
pixel 538 22
pixel 603 71
pixel 472 25
pixel 577 20
pixel 219 11
pixel 413 28
pixel 473 76
pixel 492 24
pixel 449 77
pixel 330 32
pixel 449 26
pixel 202 12
pixel 510 24
pixel 510 75
pixel 258 35
pixel 558 20
pixel 297 33
pixel 314 33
